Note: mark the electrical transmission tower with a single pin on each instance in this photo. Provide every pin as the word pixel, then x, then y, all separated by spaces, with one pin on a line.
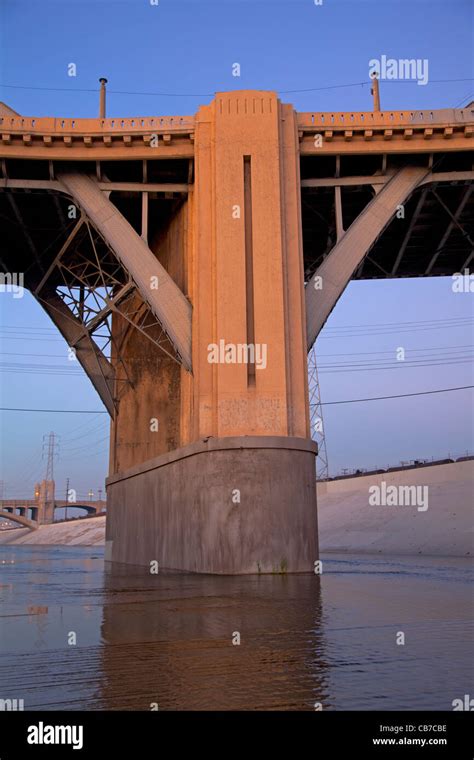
pixel 51 445
pixel 316 416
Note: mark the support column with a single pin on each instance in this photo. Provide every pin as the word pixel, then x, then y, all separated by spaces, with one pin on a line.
pixel 248 274
pixel 239 495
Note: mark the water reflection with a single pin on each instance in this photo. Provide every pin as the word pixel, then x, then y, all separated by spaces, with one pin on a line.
pixel 168 639
pixel 174 635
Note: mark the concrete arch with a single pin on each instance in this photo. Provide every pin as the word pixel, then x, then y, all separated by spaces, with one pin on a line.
pixel 31 524
pixel 169 305
pixel 339 265
pixel 89 509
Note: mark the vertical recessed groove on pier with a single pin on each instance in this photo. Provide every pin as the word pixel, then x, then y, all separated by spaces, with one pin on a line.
pixel 249 268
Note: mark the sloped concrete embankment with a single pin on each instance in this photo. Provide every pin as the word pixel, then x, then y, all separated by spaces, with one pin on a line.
pixel 348 523
pixel 85 532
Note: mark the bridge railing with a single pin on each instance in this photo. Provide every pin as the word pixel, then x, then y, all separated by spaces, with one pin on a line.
pixel 385 119
pixel 97 126
pixel 310 119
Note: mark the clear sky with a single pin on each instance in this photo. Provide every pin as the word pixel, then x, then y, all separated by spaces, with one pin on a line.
pixel 183 52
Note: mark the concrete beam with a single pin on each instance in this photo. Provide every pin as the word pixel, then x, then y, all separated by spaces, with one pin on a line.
pixel 31 524
pixel 167 302
pixel 130 187
pixel 89 356
pixel 339 265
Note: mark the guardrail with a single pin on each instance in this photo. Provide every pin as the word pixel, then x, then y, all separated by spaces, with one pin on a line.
pixel 385 119
pixel 55 125
pixel 416 465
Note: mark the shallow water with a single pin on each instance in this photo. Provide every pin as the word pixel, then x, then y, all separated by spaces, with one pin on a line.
pixel 168 639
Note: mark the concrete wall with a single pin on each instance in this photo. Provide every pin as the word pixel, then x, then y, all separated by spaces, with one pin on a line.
pixel 155 389
pixel 182 509
pixel 348 523
pixel 85 532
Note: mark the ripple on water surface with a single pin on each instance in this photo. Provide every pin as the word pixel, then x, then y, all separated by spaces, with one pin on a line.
pixel 171 638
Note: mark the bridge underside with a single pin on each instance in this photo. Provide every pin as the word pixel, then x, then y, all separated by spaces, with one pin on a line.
pixel 429 239
pixel 411 218
pixel 227 241
pixel 82 273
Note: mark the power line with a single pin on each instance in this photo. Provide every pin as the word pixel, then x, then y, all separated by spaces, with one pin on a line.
pixel 424 361
pixel 327 403
pixel 212 94
pixel 410 322
pixel 377 369
pixel 441 320
pixel 86 446
pixel 399 331
pixel 400 395
pixel 447 349
pixel 54 411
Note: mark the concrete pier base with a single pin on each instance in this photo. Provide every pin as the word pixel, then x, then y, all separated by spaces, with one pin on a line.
pixel 234 505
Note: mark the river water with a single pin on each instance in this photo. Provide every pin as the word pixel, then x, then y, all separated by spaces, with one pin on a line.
pixel 170 641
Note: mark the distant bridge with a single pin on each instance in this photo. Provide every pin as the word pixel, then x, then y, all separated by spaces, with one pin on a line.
pixel 41 509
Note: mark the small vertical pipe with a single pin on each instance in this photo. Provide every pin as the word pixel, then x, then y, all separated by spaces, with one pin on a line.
pixel 375 92
pixel 102 98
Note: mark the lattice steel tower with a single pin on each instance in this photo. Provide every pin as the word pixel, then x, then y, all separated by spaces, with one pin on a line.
pixel 316 416
pixel 51 446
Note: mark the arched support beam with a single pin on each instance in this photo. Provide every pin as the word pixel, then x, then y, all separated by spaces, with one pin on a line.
pixel 23 521
pixel 168 304
pixel 339 265
pixel 97 367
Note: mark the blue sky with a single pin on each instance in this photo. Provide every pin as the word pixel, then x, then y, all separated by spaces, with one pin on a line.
pixel 186 50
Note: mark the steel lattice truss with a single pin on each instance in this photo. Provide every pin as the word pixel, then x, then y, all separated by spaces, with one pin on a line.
pixel 316 416
pixel 93 285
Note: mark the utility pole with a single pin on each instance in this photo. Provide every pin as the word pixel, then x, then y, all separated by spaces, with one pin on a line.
pixel 375 92
pixel 67 496
pixel 102 98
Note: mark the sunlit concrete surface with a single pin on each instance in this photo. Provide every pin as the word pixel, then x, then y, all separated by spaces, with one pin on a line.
pixel 233 223
pixel 348 523
pixel 84 532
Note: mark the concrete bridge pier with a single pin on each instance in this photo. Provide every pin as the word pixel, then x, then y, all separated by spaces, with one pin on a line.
pixel 213 470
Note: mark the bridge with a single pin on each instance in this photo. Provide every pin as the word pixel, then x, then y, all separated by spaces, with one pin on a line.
pixel 40 510
pixel 18 518
pixel 191 262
